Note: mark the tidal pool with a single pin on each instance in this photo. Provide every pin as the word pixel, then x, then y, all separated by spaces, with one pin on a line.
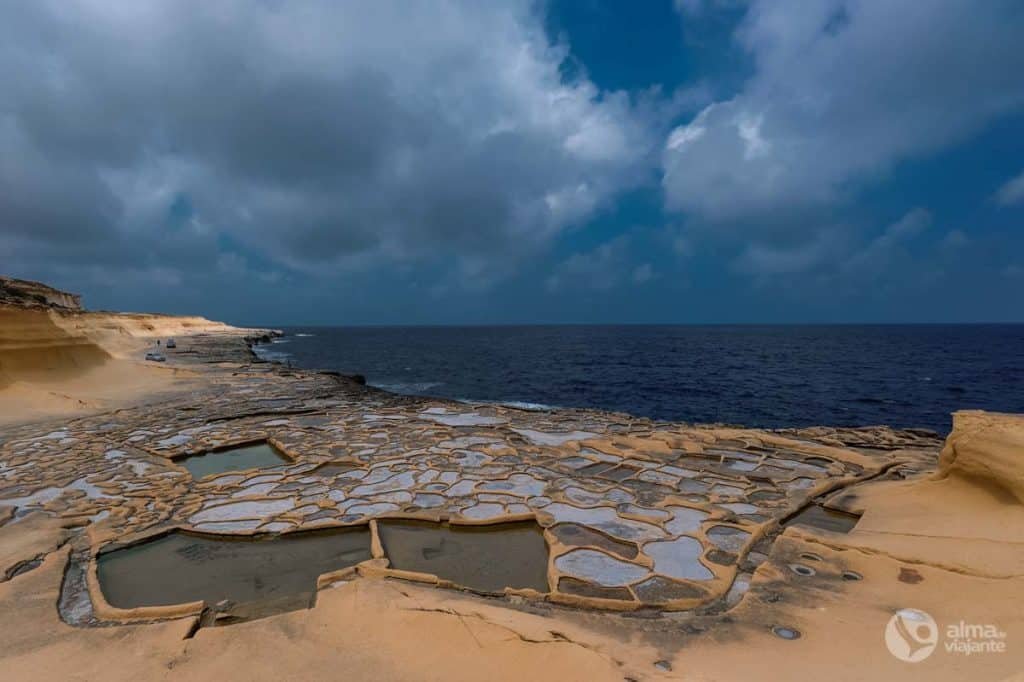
pixel 480 558
pixel 260 575
pixel 817 516
pixel 250 456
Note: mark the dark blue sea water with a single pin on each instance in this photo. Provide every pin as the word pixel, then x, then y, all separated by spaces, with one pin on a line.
pixel 764 376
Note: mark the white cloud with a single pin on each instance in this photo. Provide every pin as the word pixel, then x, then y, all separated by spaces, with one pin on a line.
pixel 1012 192
pixel 842 91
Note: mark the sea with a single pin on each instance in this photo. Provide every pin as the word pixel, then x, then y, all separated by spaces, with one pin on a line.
pixel 904 376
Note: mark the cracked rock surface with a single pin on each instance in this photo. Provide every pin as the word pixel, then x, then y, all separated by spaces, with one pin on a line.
pixel 685 525
pixel 643 495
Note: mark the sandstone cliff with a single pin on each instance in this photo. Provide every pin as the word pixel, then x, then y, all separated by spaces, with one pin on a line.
pixel 26 293
pixel 987 448
pixel 57 358
pixel 33 347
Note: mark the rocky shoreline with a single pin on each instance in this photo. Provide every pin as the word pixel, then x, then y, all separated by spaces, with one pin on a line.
pixel 705 531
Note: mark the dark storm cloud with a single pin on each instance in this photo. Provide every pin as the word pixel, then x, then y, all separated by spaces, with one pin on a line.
pixel 320 135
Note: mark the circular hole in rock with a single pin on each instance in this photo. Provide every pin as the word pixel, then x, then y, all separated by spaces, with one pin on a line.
pixel 800 569
pixel 852 575
pixel 785 633
pixel 808 556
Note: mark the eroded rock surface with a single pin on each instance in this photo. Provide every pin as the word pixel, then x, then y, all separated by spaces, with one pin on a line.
pixel 642 496
pixel 708 532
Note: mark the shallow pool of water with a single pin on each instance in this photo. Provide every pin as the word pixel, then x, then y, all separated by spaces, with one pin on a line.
pixel 817 516
pixel 251 456
pixel 259 575
pixel 481 558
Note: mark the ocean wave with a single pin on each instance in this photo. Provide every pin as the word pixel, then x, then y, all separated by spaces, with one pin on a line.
pixel 269 355
pixel 521 405
pixel 406 387
pixel 304 335
pixel 517 404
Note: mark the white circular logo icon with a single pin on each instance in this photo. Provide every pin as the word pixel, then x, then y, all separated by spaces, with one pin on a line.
pixel 911 635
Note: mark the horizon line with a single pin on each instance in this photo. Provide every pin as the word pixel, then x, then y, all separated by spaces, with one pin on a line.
pixel 638 324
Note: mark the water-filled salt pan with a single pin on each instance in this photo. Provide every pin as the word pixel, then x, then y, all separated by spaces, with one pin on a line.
pixel 600 568
pixel 678 558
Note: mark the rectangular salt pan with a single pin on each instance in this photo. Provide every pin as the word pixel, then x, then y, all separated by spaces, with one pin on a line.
pixel 251 456
pixel 481 558
pixel 259 576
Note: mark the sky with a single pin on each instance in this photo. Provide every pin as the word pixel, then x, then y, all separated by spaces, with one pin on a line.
pixel 276 162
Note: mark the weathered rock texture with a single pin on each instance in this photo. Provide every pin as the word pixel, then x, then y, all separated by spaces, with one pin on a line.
pixel 638 512
pixel 685 524
pixel 988 448
pixel 36 294
pixel 58 359
pixel 34 348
